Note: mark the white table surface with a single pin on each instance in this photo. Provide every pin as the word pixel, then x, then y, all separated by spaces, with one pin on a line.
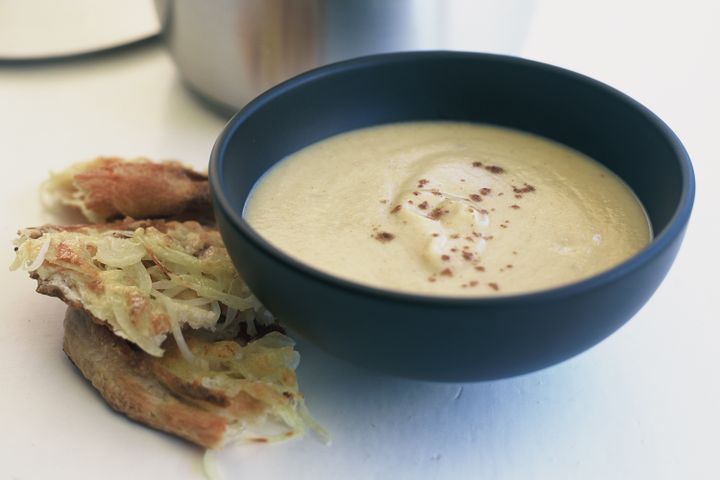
pixel 644 403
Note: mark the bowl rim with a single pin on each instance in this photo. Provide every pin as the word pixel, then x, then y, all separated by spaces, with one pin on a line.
pixel 659 242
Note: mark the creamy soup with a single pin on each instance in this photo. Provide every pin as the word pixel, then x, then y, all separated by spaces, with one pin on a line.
pixel 448 208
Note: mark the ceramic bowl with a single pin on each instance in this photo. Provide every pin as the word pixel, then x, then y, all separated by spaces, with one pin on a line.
pixel 446 338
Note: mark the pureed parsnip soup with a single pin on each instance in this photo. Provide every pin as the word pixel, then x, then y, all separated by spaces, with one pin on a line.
pixel 448 208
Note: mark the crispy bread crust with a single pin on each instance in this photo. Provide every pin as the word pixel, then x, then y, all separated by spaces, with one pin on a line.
pixel 123 376
pixel 116 188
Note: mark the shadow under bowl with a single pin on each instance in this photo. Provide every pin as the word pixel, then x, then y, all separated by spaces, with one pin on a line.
pixel 446 338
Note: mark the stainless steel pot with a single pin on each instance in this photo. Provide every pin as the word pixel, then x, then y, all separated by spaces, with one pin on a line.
pixel 229 51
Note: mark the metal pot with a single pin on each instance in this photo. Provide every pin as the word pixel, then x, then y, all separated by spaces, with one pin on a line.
pixel 229 51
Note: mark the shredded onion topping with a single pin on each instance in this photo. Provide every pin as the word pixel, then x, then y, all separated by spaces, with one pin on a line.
pixel 31 266
pixel 135 279
pixel 148 284
pixel 184 349
pixel 210 467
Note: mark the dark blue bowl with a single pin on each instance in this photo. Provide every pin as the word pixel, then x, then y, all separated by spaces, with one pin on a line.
pixel 442 338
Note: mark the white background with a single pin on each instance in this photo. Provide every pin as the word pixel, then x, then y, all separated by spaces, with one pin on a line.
pixel 643 404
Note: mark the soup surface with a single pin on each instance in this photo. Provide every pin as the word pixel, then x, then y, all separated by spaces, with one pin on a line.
pixel 448 208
